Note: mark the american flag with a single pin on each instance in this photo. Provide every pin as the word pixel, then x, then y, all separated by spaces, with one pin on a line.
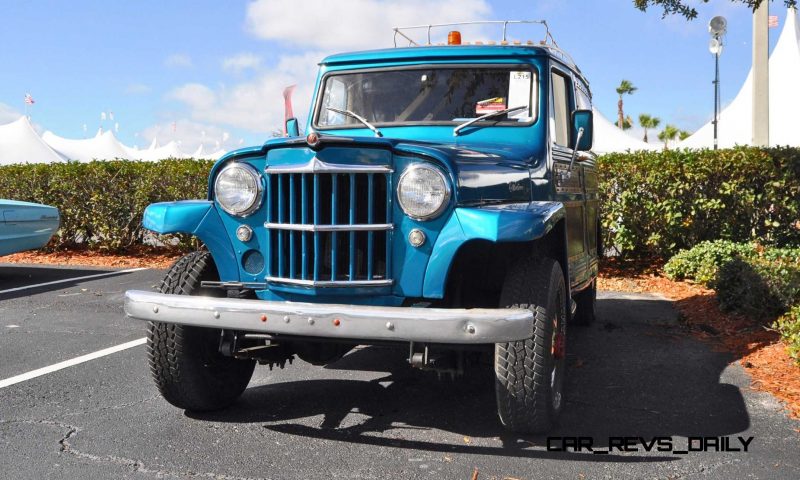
pixel 29 100
pixel 773 21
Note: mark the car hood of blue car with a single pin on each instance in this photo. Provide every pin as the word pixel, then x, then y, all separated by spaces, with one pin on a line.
pixel 22 211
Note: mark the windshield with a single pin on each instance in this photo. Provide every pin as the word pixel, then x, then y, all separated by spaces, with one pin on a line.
pixel 428 96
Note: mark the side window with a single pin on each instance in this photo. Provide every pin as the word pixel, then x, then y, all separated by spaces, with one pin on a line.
pixel 582 98
pixel 560 103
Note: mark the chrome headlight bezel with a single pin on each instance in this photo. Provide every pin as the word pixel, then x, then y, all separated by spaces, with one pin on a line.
pixel 255 204
pixel 445 183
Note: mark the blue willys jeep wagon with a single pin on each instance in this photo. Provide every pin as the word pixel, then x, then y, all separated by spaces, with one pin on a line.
pixel 443 198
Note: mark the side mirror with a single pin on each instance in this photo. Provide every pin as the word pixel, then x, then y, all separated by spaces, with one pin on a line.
pixel 582 130
pixel 292 128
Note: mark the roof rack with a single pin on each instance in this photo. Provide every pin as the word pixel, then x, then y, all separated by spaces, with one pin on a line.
pixel 548 42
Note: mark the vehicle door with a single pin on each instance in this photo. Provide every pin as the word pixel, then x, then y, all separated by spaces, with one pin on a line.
pixel 569 183
pixel 588 166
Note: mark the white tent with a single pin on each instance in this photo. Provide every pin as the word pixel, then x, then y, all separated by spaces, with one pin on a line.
pixel 135 153
pixel 735 121
pixel 201 154
pixel 156 153
pixel 609 138
pixel 215 155
pixel 104 146
pixel 19 143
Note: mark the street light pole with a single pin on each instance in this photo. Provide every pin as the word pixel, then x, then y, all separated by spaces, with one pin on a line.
pixel 717 28
pixel 761 75
pixel 716 100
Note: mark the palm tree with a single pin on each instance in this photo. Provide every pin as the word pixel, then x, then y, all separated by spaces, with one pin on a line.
pixel 628 123
pixel 647 121
pixel 668 134
pixel 625 88
pixel 683 135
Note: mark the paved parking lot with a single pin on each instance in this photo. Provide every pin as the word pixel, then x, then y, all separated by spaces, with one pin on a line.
pixel 634 373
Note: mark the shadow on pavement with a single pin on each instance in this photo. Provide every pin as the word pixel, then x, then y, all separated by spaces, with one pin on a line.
pixel 632 373
pixel 13 277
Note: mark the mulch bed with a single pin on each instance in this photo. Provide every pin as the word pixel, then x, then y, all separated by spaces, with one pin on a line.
pixel 757 348
pixel 138 257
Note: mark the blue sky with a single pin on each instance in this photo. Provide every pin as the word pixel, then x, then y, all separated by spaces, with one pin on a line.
pixel 217 69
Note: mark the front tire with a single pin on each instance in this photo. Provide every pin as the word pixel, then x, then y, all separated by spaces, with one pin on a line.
pixel 529 373
pixel 185 361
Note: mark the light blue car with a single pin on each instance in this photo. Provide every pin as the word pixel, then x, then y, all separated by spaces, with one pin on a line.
pixel 25 225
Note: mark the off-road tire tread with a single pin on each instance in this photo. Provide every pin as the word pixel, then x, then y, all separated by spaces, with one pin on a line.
pixel 522 370
pixel 184 363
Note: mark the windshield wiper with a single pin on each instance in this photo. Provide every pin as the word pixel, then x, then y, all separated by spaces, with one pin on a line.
pixel 359 118
pixel 484 117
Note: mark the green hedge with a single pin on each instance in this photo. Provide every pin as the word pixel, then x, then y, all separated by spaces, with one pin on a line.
pixel 760 282
pixel 102 202
pixel 789 326
pixel 657 203
pixel 757 287
pixel 653 203
pixel 702 262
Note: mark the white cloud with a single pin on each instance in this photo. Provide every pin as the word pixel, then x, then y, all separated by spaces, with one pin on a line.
pixel 352 24
pixel 8 114
pixel 178 60
pixel 194 95
pixel 255 105
pixel 137 89
pixel 189 135
pixel 240 62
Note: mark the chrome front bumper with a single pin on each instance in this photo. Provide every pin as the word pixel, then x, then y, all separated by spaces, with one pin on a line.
pixel 346 322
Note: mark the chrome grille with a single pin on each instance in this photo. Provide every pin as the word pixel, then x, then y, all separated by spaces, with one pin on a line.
pixel 330 228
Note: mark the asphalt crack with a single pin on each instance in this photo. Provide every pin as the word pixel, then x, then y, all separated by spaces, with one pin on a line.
pixel 135 465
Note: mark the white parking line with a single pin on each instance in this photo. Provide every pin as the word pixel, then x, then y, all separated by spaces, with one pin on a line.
pixel 86 277
pixel 70 363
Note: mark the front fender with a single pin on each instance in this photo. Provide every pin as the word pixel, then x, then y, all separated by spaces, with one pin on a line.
pixel 517 222
pixel 201 219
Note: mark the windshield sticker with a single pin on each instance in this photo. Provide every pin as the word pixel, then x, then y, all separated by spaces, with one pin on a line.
pixel 490 105
pixel 519 93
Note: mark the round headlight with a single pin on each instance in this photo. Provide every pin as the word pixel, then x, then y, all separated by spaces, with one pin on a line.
pixel 423 192
pixel 238 189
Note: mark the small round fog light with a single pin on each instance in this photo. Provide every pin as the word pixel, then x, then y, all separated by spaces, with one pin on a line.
pixel 416 237
pixel 244 233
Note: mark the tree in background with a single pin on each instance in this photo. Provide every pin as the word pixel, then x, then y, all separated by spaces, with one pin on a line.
pixel 646 121
pixel 667 135
pixel 683 135
pixel 628 123
pixel 625 88
pixel 680 7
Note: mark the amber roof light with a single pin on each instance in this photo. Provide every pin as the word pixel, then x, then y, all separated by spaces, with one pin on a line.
pixel 454 38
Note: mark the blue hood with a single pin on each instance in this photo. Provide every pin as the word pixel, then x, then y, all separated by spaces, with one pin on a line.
pixel 480 173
